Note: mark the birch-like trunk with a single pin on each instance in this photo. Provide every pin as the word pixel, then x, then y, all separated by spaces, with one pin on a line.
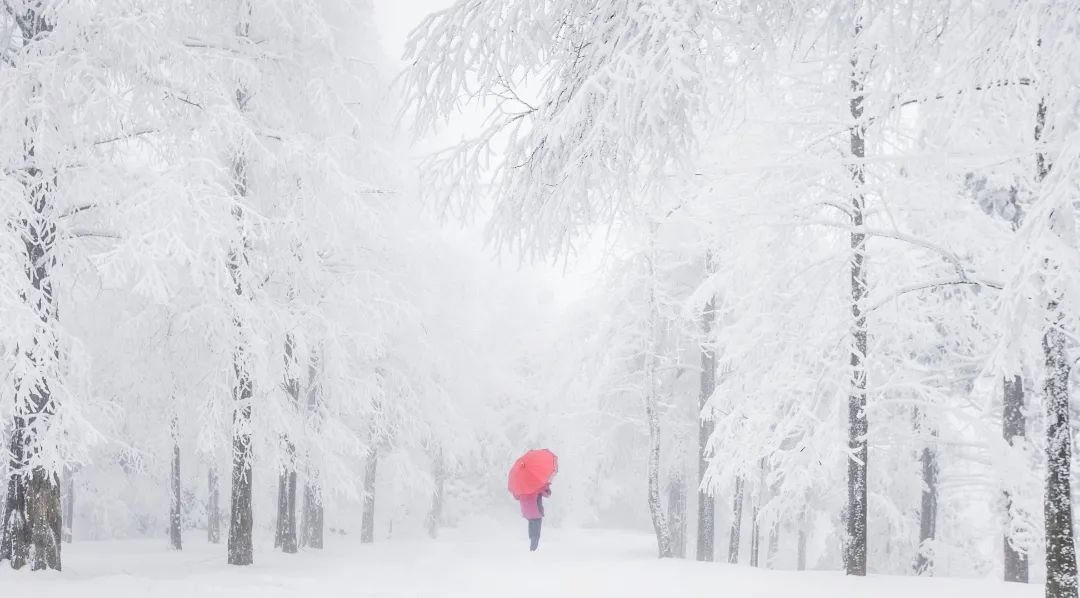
pixel 755 531
pixel 706 506
pixel 735 541
pixel 677 513
pixel 213 507
pixel 367 524
pixel 652 413
pixel 858 428
pixel 68 504
pixel 175 533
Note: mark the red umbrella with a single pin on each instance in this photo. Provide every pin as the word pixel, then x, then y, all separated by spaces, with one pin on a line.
pixel 532 472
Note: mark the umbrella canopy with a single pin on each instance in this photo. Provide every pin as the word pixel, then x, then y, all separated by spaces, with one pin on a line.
pixel 532 472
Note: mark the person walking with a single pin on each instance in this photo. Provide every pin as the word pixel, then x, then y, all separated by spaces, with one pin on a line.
pixel 529 482
pixel 532 509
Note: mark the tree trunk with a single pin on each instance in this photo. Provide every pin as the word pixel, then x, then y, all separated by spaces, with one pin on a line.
pixel 33 518
pixel 367 525
pixel 928 512
pixel 706 532
pixel 1061 572
pixel 279 520
pixel 677 513
pixel 656 509
pixel 286 515
pixel 213 508
pixel 652 415
pixel 858 427
pixel 175 534
pixel 1057 506
pixel 774 545
pixel 241 519
pixel 1013 426
pixel 68 503
pixel 755 532
pixel 311 534
pixel 929 501
pixel 736 521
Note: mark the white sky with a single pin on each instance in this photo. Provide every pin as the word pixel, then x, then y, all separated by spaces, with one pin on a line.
pixel 395 19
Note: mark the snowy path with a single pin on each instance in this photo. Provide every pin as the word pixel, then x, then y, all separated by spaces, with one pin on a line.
pixel 571 563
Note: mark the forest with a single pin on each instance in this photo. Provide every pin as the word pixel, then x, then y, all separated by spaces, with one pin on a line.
pixel 792 284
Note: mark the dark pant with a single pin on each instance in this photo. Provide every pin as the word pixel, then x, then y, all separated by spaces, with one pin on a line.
pixel 534 533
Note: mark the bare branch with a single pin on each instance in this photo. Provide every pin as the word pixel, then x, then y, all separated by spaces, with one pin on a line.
pixel 933 284
pixel 186 101
pixel 81 233
pixel 942 96
pixel 77 209
pixel 126 136
pixel 961 271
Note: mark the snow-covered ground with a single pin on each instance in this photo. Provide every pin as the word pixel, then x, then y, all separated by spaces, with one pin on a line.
pixel 596 564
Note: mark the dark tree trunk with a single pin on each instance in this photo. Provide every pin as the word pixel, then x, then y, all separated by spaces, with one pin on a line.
pixel 286 515
pixel 858 427
pixel 1013 426
pixel 929 501
pixel 677 513
pixel 213 508
pixel 1061 579
pixel 33 518
pixel 241 519
pixel 367 525
pixel 706 532
pixel 736 521
pixel 1060 548
pixel 928 512
pixel 175 534
pixel 68 503
pixel 311 534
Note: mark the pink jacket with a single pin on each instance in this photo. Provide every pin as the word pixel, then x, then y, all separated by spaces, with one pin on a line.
pixel 530 505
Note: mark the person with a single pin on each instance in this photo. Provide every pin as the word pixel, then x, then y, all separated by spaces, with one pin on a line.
pixel 532 509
